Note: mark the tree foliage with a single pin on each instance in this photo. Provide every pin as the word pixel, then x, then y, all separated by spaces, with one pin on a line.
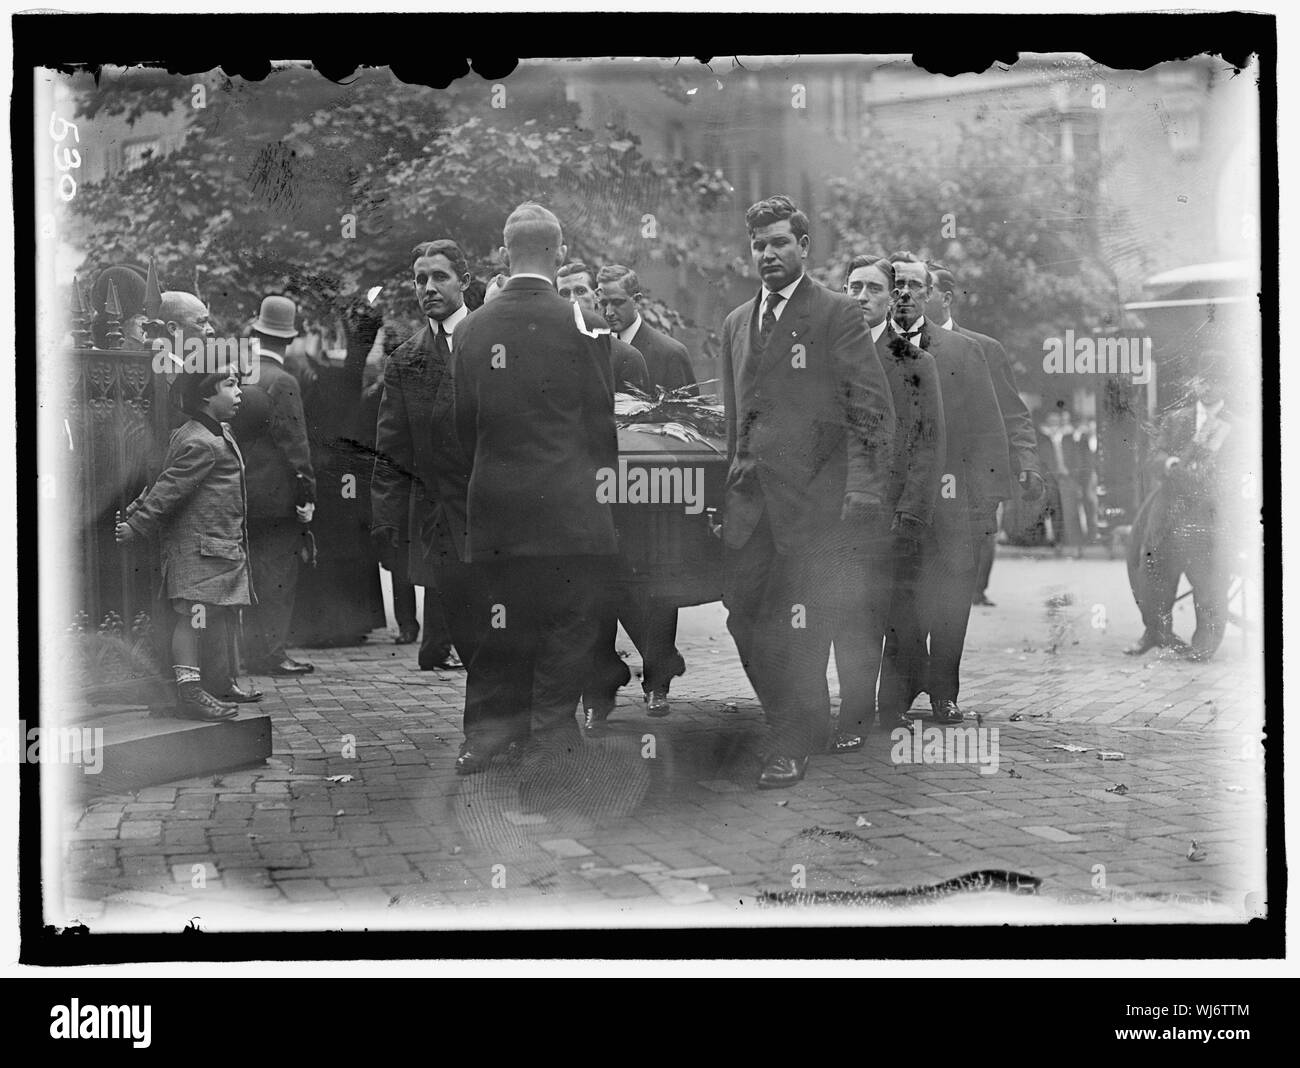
pixel 1002 211
pixel 295 184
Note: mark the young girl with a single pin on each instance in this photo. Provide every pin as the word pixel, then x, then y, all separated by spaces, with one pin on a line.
pixel 198 507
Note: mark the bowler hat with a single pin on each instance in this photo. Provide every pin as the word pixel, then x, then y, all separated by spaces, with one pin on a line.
pixel 276 318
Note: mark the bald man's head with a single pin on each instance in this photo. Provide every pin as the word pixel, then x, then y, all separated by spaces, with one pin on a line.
pixel 186 313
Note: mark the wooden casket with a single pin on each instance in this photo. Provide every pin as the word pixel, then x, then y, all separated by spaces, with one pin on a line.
pixel 666 491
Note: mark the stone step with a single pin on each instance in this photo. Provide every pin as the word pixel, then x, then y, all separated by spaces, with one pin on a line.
pixel 140 750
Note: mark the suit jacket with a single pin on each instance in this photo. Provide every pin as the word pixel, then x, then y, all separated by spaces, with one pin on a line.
pixel 629 367
pixel 666 359
pixel 1069 454
pixel 272 435
pixel 920 441
pixel 198 506
pixel 976 444
pixel 809 418
pixel 1022 443
pixel 534 405
pixel 421 477
pixel 1212 477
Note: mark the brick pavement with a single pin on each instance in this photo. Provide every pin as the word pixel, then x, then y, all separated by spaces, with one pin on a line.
pixel 359 819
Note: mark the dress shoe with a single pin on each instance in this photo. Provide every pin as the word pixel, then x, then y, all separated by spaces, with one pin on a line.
pixel 595 712
pixel 845 742
pixel 236 695
pixel 199 704
pixel 450 662
pixel 981 600
pixel 472 759
pixel 406 635
pixel 945 712
pixel 1149 640
pixel 656 704
pixel 285 666
pixel 782 771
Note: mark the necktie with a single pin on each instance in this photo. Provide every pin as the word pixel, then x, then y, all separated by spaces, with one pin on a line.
pixel 441 344
pixel 768 322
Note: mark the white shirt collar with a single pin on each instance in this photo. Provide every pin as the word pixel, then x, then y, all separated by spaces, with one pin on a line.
pixel 785 294
pixel 901 330
pixel 449 323
pixel 529 274
pixel 628 334
pixel 275 356
pixel 947 325
pixel 878 329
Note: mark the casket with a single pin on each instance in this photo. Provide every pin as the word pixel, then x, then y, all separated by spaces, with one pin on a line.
pixel 668 485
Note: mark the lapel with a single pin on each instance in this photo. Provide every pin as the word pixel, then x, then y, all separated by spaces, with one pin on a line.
pixel 791 326
pixel 747 363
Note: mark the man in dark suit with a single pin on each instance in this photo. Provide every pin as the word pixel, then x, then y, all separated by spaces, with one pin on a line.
pixel 412 453
pixel 272 435
pixel 575 281
pixel 1199 466
pixel 974 480
pixel 618 290
pixel 534 404
pixel 810 424
pixel 651 625
pixel 1022 443
pixel 1059 452
pixel 882 571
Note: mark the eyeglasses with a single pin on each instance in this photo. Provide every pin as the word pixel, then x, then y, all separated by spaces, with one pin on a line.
pixel 913 284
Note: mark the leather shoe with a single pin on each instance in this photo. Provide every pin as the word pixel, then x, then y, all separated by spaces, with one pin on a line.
pixel 202 705
pixel 450 662
pixel 472 759
pixel 284 666
pixel 845 742
pixel 656 704
pixel 1149 640
pixel 595 713
pixel 782 771
pixel 983 601
pixel 945 712
pixel 236 695
pixel 406 635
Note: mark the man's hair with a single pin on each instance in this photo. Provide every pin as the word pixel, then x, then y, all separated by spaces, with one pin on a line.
pixel 533 231
pixel 624 276
pixel 773 210
pixel 941 277
pixel 871 260
pixel 443 247
pixel 575 267
pixel 474 293
pixel 906 257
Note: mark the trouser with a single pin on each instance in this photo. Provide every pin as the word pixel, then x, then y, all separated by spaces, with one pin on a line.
pixel 986 550
pixel 403 592
pixel 1067 522
pixel 215 629
pixel 932 599
pixel 435 638
pixel 537 635
pixel 273 556
pixel 461 602
pixel 860 633
pixel 652 626
pixel 1194 549
pixel 782 613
